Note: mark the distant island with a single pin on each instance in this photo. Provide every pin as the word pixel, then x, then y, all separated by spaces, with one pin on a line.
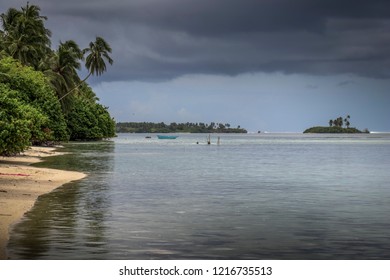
pixel 336 126
pixel 149 127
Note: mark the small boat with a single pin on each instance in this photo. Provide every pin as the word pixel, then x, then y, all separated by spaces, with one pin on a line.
pixel 166 137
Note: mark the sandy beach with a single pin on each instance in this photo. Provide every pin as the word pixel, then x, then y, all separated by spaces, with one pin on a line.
pixel 21 185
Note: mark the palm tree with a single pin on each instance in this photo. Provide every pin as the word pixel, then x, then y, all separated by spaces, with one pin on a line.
pixel 95 62
pixel 7 21
pixel 346 120
pixel 24 35
pixel 330 122
pixel 61 68
pixel 98 53
pixel 340 121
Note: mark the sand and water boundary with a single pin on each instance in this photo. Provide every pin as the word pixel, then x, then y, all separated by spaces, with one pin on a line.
pixel 22 184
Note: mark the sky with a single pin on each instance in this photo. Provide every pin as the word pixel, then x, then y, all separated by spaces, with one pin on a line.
pixel 264 65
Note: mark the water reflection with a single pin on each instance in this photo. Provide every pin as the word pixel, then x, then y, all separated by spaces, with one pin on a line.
pixel 253 197
pixel 72 216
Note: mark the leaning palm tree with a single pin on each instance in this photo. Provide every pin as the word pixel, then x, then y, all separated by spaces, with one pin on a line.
pixel 98 53
pixel 95 62
pixel 61 68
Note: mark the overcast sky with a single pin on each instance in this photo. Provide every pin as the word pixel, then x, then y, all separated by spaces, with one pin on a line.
pixel 269 65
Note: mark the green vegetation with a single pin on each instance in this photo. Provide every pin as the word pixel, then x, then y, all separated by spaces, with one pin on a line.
pixel 31 88
pixel 334 129
pixel 18 122
pixel 89 121
pixel 336 126
pixel 148 127
pixel 42 98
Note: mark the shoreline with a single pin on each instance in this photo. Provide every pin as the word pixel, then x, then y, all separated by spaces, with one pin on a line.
pixel 21 185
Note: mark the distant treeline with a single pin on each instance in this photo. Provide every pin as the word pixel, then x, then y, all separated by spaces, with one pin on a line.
pixel 149 127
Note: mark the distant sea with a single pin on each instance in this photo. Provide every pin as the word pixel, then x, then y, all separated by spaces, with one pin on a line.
pixel 254 196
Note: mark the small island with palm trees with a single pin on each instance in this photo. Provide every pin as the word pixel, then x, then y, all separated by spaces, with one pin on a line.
pixel 336 126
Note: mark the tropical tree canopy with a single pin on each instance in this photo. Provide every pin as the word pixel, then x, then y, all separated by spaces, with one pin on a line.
pixel 61 69
pixel 96 60
pixel 98 54
pixel 24 35
pixel 42 97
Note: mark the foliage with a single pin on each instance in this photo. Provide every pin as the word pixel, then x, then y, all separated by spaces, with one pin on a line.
pixel 98 53
pixel 333 129
pixel 61 69
pixel 95 61
pixel 33 89
pixel 106 124
pixel 89 121
pixel 148 127
pixel 24 36
pixel 36 83
pixel 336 126
pixel 19 123
pixel 339 122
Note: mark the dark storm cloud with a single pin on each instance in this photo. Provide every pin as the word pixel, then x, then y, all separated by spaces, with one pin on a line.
pixel 225 16
pixel 156 39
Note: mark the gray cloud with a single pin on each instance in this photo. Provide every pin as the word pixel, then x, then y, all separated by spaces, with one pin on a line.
pixel 157 40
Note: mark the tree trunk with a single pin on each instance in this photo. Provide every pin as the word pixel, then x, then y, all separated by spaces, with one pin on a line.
pixel 90 73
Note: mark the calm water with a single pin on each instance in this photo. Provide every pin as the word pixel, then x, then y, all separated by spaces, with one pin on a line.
pixel 268 196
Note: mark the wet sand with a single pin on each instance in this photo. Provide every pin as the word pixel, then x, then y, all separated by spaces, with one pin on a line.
pixel 21 185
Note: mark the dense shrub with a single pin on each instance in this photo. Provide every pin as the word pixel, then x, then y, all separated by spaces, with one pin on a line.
pixel 31 87
pixel 89 121
pixel 19 123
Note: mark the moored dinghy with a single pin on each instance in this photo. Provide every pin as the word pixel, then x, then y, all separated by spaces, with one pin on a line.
pixel 166 137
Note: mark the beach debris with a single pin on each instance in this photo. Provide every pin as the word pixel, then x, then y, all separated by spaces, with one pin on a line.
pixel 10 174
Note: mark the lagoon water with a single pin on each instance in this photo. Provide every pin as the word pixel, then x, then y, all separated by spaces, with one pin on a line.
pixel 255 196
